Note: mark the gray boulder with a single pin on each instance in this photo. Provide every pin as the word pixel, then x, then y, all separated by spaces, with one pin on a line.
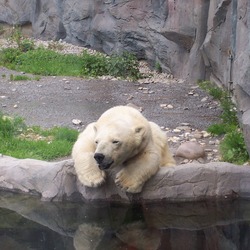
pixel 190 182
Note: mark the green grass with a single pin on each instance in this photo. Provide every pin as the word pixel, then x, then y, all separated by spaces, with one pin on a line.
pixel 232 147
pixel 17 140
pixel 19 78
pixel 47 62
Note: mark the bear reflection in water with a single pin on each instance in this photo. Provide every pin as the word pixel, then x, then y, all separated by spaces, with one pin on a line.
pixel 29 223
pixel 124 141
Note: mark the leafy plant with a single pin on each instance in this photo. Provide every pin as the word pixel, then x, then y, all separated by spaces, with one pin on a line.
pixel 94 64
pixel 232 147
pixel 221 129
pixel 125 66
pixel 10 127
pixel 22 43
pixel 158 67
pixel 8 57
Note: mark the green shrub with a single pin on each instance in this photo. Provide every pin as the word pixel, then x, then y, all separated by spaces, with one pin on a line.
pixel 10 127
pixel 158 67
pixel 124 66
pixel 221 128
pixel 233 148
pixel 94 64
pixel 26 45
pixel 8 56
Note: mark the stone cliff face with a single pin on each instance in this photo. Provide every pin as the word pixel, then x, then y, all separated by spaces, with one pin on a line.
pixel 195 39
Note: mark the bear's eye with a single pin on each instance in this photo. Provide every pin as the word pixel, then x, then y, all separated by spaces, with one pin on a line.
pixel 96 142
pixel 115 141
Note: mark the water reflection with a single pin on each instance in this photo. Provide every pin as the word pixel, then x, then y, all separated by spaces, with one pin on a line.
pixel 28 223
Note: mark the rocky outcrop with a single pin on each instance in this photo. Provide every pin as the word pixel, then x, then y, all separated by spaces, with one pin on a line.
pixel 189 182
pixel 193 40
pixel 165 32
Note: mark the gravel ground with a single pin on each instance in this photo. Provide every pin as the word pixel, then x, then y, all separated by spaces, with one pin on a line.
pixel 56 101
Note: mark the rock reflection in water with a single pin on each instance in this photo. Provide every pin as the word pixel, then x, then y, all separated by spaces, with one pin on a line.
pixel 28 223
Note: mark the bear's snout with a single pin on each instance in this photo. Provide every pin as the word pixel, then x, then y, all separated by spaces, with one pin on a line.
pixel 102 161
pixel 99 157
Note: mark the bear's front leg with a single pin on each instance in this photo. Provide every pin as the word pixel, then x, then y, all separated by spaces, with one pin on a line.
pixel 88 171
pixel 137 171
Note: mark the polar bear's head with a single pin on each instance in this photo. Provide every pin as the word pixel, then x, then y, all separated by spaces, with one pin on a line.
pixel 117 141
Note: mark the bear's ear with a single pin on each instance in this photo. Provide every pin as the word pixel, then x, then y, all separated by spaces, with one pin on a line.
pixel 140 130
pixel 95 129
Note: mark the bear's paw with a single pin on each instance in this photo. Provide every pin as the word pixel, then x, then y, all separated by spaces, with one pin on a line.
pixel 128 183
pixel 92 178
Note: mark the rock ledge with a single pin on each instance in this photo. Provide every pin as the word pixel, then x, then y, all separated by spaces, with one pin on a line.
pixel 190 182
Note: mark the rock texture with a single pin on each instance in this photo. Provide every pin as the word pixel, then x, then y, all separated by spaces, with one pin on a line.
pixel 193 40
pixel 189 182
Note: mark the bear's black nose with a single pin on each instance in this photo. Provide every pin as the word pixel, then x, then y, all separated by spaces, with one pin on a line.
pixel 99 157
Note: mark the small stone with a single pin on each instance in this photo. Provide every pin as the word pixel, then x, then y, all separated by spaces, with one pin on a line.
pixel 193 140
pixel 197 135
pixel 208 150
pixel 185 161
pixel 185 124
pixel 205 134
pixel 163 105
pixel 130 97
pixel 176 130
pixel 173 139
pixel 217 142
pixel 67 88
pixel 211 142
pixel 169 106
pixel 204 99
pixel 76 122
pixel 15 106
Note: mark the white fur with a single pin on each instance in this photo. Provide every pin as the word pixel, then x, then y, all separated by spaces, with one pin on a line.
pixel 127 140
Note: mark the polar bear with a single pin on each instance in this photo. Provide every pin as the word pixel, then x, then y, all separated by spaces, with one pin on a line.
pixel 121 137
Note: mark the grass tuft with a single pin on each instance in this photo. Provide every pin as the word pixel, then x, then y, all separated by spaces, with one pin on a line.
pixel 20 141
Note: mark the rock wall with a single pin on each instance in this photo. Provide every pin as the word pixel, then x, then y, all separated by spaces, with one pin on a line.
pixel 195 39
pixel 57 181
